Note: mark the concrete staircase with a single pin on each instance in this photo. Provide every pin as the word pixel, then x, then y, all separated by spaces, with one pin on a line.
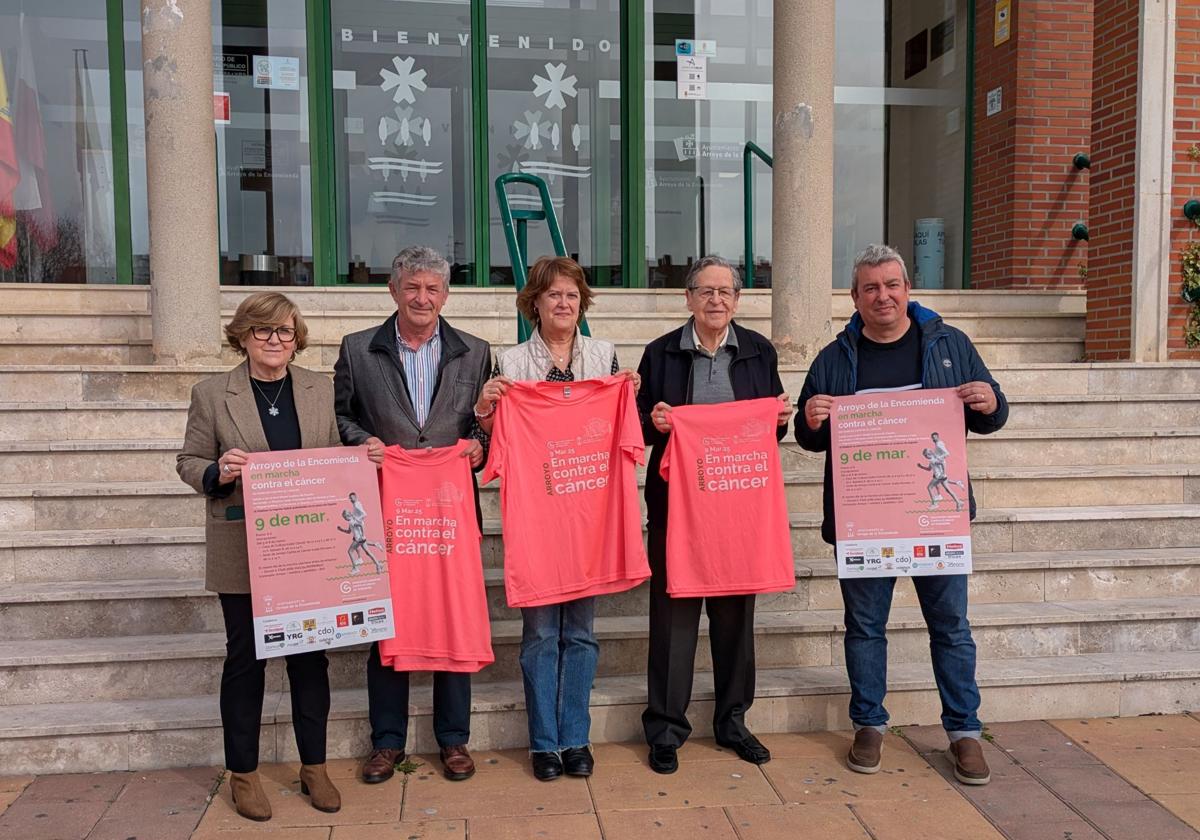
pixel 1086 599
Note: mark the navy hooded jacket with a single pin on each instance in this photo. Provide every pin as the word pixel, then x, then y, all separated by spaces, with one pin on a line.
pixel 948 359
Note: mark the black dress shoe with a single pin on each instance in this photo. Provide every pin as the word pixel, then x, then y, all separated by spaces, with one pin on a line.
pixel 748 749
pixel 578 761
pixel 546 766
pixel 664 758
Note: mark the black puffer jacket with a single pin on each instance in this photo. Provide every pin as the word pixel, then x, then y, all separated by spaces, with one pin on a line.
pixel 666 371
pixel 948 359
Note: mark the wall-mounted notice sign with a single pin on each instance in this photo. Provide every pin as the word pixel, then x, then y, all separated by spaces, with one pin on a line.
pixel 691 76
pixel 1003 28
pixel 689 46
pixel 278 72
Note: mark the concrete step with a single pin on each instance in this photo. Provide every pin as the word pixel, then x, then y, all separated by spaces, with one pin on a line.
pixel 171 551
pixel 87 300
pixel 50 506
pixel 67 383
pixel 1068 411
pixel 160 666
pixel 144 734
pixel 1047 448
pixel 110 606
pixel 154 459
pixel 1053 416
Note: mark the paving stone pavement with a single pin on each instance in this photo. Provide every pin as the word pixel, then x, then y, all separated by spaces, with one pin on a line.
pixel 1105 779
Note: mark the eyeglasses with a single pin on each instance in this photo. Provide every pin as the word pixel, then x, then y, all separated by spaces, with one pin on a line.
pixel 286 334
pixel 725 293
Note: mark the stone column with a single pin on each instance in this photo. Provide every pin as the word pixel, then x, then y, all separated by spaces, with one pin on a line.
pixel 802 184
pixel 1155 209
pixel 185 295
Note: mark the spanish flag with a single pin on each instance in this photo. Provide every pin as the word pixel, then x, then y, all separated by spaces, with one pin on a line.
pixel 10 176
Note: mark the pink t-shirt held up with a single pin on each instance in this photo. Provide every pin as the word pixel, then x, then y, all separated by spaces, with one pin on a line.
pixel 727 520
pixel 566 453
pixel 432 539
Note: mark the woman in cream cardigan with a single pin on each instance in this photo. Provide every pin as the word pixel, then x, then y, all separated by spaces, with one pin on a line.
pixel 559 651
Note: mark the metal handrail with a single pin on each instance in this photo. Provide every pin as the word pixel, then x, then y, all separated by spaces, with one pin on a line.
pixel 516 235
pixel 751 148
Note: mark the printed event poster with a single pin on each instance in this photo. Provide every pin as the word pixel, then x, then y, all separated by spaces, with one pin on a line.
pixel 314 530
pixel 900 484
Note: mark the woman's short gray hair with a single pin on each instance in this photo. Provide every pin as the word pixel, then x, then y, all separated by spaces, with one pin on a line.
pixel 708 262
pixel 874 255
pixel 418 258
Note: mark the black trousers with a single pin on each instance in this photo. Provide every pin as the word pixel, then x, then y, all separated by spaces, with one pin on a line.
pixel 674 627
pixel 243 681
pixel 387 702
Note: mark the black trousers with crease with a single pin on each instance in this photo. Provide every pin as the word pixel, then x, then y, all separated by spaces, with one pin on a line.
pixel 674 628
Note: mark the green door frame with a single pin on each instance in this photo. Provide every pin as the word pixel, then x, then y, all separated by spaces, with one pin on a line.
pixel 324 207
pixel 122 227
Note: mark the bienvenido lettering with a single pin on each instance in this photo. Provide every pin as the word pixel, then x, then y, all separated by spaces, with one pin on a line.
pixel 406 37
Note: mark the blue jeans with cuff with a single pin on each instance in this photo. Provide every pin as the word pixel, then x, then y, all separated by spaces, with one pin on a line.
pixel 559 654
pixel 943 600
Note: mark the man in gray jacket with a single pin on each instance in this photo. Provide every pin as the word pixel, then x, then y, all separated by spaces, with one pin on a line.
pixel 413 382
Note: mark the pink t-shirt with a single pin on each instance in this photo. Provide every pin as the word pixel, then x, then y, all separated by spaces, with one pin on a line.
pixel 727 520
pixel 432 540
pixel 567 454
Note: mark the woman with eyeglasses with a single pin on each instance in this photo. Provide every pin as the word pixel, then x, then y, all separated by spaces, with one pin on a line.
pixel 266 403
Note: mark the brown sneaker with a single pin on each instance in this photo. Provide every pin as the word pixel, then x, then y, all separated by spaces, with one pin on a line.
pixel 456 763
pixel 381 765
pixel 315 784
pixel 864 755
pixel 970 767
pixel 249 798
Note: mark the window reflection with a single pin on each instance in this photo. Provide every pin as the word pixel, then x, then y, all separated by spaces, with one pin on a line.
pixel 56 189
pixel 403 132
pixel 263 173
pixel 554 73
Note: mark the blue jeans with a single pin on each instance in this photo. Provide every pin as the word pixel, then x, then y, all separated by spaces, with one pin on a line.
pixel 943 600
pixel 559 653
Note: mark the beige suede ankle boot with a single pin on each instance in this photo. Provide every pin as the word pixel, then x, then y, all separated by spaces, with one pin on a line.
pixel 315 784
pixel 249 797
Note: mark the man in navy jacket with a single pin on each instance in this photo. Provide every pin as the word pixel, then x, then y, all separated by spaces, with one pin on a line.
pixel 892 343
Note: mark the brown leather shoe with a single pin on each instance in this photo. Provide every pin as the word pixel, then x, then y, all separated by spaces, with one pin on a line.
pixel 864 756
pixel 457 764
pixel 381 765
pixel 970 767
pixel 249 798
pixel 315 784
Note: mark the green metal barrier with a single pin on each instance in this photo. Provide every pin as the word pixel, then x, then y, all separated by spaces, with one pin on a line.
pixel 516 235
pixel 751 148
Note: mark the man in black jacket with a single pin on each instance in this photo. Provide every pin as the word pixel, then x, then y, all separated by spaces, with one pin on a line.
pixel 710 359
pixel 894 344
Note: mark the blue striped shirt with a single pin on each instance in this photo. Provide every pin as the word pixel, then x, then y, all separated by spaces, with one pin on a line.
pixel 421 371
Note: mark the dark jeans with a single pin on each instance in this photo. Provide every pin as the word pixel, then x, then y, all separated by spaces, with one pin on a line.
pixel 943 601
pixel 674 627
pixel 387 702
pixel 243 680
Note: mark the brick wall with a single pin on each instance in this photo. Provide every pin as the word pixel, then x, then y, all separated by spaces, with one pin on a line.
pixel 1114 129
pixel 993 165
pixel 1026 193
pixel 1186 169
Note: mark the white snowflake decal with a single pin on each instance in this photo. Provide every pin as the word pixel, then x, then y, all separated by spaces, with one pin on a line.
pixel 404 80
pixel 532 130
pixel 556 86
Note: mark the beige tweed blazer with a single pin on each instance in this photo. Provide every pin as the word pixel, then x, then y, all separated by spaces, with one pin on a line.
pixel 223 416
